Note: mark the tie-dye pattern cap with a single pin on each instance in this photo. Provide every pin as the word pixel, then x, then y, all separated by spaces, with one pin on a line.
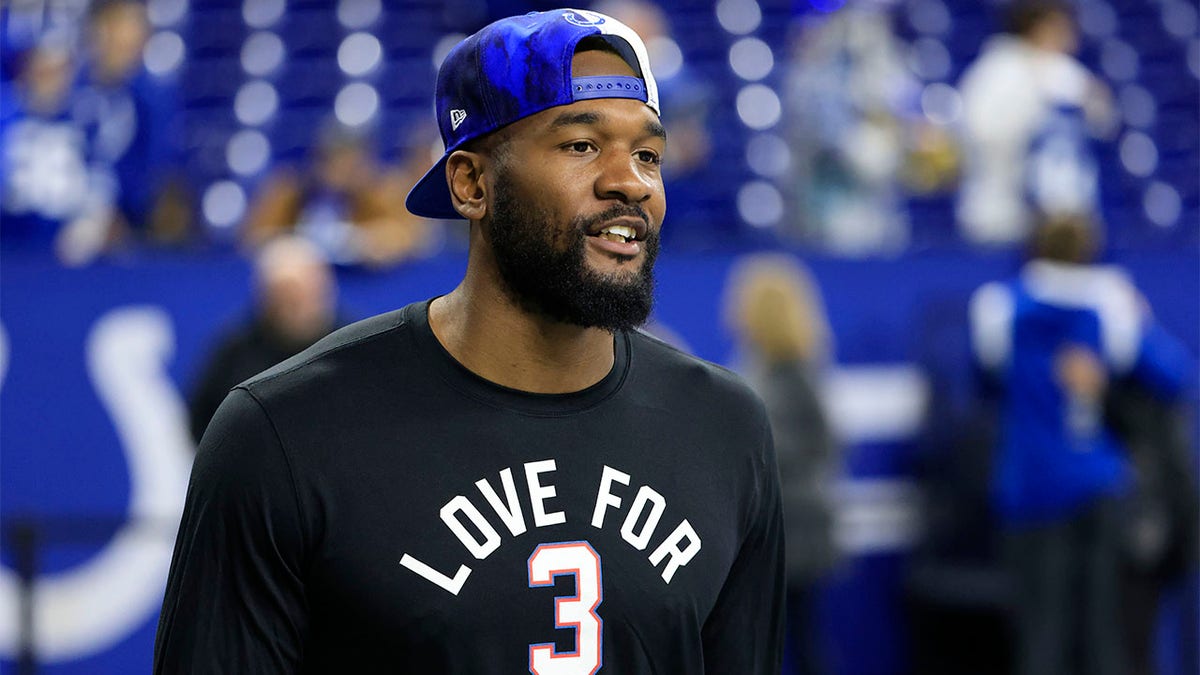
pixel 514 68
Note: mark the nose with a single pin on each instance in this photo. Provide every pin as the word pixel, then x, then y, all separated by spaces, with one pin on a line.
pixel 622 178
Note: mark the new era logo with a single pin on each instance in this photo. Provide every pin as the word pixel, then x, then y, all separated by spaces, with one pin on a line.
pixel 456 118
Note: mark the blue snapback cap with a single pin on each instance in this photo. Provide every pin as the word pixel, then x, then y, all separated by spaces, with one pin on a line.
pixel 517 67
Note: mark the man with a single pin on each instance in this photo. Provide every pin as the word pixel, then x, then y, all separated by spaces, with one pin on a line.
pixel 507 477
pixel 295 307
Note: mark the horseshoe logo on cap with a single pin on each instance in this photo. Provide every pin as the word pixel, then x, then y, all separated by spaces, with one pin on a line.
pixel 583 18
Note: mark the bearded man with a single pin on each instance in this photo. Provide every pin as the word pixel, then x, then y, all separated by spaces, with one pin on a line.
pixel 508 477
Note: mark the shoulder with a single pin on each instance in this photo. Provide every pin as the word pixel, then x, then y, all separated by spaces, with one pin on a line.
pixel 235 336
pixel 338 354
pixel 1103 291
pixel 990 319
pixel 990 295
pixel 1079 286
pixel 991 305
pixel 1001 56
pixel 678 378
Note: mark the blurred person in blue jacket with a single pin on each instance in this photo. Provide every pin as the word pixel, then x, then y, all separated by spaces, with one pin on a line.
pixel 1031 115
pixel 55 195
pixel 774 308
pixel 135 118
pixel 1053 338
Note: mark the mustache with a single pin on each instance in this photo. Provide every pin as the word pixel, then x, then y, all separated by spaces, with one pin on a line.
pixel 585 224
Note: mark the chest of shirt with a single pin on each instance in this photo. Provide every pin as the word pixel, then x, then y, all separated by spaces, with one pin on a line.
pixel 427 524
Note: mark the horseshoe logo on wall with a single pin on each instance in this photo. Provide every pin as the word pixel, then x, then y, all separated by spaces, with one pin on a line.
pixel 91 607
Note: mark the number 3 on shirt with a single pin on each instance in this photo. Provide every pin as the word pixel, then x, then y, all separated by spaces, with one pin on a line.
pixel 580 560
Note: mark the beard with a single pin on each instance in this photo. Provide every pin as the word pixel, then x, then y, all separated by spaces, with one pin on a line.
pixel 544 268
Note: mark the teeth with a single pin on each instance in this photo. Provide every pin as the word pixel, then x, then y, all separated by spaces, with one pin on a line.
pixel 618 233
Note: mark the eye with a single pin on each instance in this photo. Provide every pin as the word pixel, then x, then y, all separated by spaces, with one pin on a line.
pixel 581 147
pixel 649 157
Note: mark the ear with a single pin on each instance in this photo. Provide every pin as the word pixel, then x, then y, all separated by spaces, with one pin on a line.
pixel 468 191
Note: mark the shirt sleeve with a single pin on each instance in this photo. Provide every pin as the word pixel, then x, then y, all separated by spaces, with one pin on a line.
pixel 235 599
pixel 744 632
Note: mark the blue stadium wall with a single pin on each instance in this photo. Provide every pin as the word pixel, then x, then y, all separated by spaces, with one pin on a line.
pixel 95 365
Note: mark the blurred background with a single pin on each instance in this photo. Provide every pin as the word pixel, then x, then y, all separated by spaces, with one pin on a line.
pixel 192 190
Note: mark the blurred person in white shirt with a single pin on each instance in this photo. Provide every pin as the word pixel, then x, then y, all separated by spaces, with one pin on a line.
pixel 1030 111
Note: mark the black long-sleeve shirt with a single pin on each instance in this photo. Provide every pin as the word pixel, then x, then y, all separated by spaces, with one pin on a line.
pixel 372 506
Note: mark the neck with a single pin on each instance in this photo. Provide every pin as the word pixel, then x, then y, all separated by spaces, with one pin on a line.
pixel 495 338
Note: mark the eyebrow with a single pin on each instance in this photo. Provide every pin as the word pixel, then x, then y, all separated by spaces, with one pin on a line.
pixel 652 128
pixel 571 119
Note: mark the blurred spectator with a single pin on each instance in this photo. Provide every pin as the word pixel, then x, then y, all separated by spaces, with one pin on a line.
pixel 295 306
pixel 1054 338
pixel 1162 538
pixel 957 588
pixel 775 311
pixel 344 202
pixel 54 196
pixel 848 102
pixel 1030 113
pixel 136 125
pixel 686 103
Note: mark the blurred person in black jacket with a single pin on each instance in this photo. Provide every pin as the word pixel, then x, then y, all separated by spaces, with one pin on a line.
pixel 1162 518
pixel 775 311
pixel 296 306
